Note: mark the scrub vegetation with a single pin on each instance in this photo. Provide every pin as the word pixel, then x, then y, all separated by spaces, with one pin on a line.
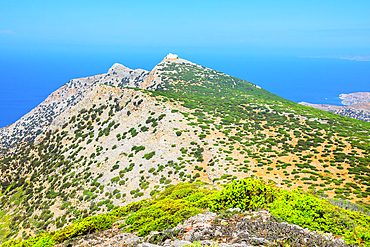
pixel 184 200
pixel 217 129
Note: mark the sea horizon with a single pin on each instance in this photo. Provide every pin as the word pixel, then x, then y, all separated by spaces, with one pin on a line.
pixel 26 80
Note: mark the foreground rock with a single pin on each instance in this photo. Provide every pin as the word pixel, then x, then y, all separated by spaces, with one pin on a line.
pixel 230 228
pixel 111 237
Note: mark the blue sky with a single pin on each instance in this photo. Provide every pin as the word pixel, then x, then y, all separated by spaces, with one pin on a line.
pixel 275 27
pixel 44 44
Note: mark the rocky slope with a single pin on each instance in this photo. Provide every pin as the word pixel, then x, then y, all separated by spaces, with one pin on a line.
pixel 28 127
pixel 105 145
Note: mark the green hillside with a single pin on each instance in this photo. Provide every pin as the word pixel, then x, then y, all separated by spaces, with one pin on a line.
pixel 247 110
pixel 121 145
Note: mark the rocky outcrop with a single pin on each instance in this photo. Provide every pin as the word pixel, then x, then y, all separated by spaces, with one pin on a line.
pixel 232 228
pixel 121 76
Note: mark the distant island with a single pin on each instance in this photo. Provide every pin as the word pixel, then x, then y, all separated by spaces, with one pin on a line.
pixel 363 58
pixel 356 105
pixel 354 98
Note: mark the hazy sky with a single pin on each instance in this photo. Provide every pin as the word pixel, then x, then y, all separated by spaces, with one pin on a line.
pixel 324 27
pixel 43 44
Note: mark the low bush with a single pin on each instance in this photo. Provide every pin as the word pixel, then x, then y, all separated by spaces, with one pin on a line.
pixel 177 203
pixel 45 242
pixel 149 155
pixel 246 194
pixel 182 191
pixel 161 215
pixel 41 240
pixel 84 226
pixel 168 208
pixel 320 215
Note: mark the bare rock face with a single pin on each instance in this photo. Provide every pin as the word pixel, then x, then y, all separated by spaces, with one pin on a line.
pixel 121 76
pixel 246 229
pixel 107 238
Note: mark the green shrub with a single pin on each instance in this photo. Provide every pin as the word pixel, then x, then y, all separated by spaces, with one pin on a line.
pixel 161 117
pixel 246 194
pixel 170 207
pixel 131 208
pixel 149 155
pixel 137 149
pixel 320 215
pixel 45 242
pixel 161 215
pixel 115 167
pixel 181 191
pixel 41 240
pixel 195 244
pixel 80 227
pixel 84 226
pixel 177 203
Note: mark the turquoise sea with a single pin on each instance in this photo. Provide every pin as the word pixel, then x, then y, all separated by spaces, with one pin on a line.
pixel 27 79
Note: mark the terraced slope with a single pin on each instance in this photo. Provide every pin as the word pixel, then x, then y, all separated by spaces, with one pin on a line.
pixel 117 145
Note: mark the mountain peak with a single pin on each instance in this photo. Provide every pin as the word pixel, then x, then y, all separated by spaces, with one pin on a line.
pixel 122 76
pixel 171 56
pixel 118 66
pixel 155 78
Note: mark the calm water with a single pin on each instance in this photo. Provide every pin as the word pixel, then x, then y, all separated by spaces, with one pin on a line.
pixel 27 79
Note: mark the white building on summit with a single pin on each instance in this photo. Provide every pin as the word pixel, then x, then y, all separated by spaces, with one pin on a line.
pixel 172 56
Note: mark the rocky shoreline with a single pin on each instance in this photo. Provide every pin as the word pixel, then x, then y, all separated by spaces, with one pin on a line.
pixel 355 98
pixel 360 111
pixel 231 228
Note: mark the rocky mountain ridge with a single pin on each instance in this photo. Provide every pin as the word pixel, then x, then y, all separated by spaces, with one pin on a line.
pixel 28 127
pixel 113 145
